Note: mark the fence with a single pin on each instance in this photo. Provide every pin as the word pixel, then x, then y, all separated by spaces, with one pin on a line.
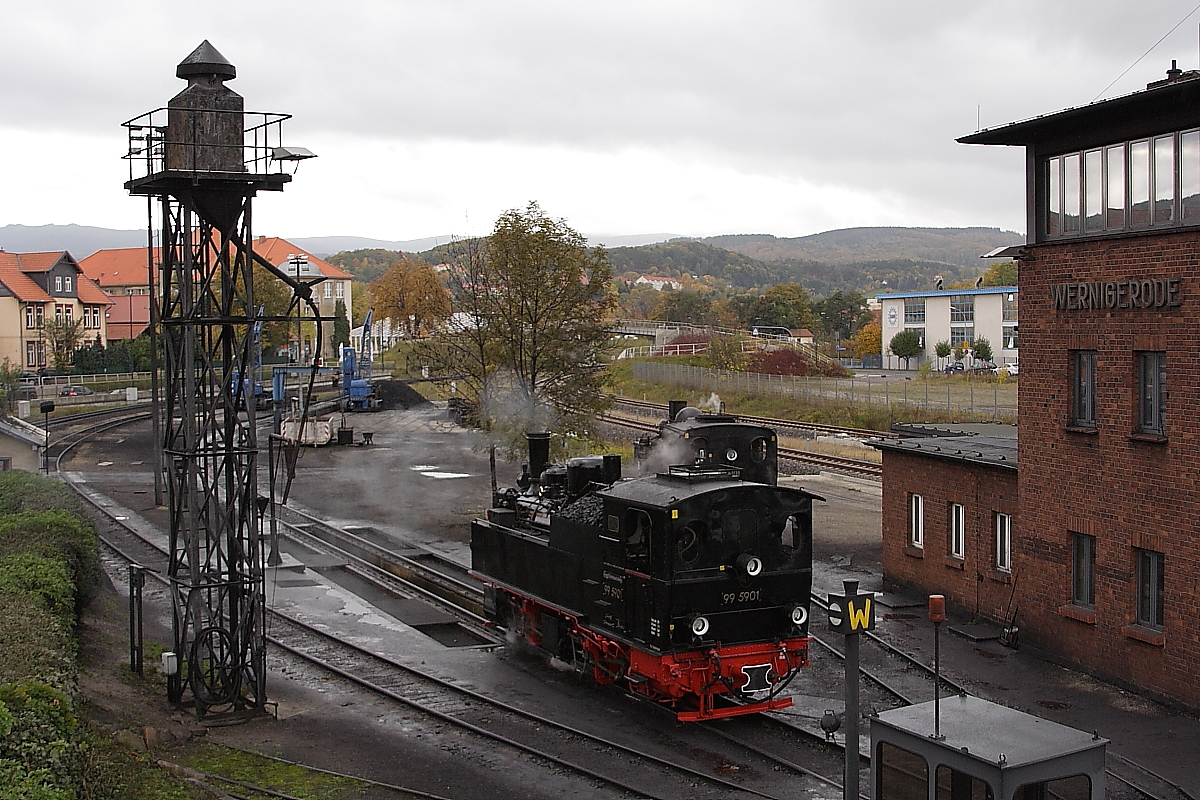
pixel 953 395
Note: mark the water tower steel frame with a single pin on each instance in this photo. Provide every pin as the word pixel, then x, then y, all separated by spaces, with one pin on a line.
pixel 204 159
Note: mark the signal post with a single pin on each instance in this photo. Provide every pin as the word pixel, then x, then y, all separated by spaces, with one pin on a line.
pixel 851 614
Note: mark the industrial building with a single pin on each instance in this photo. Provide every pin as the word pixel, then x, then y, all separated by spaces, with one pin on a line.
pixel 957 316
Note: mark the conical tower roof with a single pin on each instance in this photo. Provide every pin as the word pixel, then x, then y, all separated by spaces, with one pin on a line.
pixel 205 60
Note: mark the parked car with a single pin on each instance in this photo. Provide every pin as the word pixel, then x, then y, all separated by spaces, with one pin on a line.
pixel 73 391
pixel 956 366
pixel 1012 369
pixel 983 368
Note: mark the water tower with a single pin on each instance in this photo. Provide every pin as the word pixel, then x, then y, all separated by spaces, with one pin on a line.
pixel 201 161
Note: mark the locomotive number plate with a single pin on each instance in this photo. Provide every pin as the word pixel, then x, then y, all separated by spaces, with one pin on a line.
pixel 749 596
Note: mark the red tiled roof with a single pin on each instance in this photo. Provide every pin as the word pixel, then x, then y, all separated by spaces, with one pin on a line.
pixel 277 250
pixel 122 267
pixel 91 294
pixel 41 262
pixel 18 282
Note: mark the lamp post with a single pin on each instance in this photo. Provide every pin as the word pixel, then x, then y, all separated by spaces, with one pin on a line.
pixel 46 407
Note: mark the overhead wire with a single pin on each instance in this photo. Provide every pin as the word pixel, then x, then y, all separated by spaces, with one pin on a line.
pixel 1148 52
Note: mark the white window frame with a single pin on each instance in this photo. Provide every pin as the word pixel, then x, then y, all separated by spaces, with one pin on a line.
pixel 958 531
pixel 67 283
pixel 340 291
pixel 916 520
pixel 328 290
pixel 58 283
pixel 1003 528
pixel 29 318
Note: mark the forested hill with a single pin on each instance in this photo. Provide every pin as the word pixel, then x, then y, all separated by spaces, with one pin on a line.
pixel 961 246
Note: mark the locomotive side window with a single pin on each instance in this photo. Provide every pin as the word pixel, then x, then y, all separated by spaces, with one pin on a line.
pixel 637 542
pixel 700 444
pixel 758 450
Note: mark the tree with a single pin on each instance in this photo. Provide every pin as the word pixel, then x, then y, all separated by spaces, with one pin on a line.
pixel 725 352
pixel 1003 273
pixel 10 382
pixel 983 349
pixel 685 305
pixel 275 297
pixel 341 325
pixel 532 301
pixel 906 344
pixel 842 312
pixel 785 305
pixel 868 340
pixel 942 349
pixel 63 336
pixel 412 295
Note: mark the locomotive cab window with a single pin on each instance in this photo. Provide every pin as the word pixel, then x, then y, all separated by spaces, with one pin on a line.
pixel 758 450
pixel 637 541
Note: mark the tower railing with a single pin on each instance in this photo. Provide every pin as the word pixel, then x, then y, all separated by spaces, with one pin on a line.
pixel 155 143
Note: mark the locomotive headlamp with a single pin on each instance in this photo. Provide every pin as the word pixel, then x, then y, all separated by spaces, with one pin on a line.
pixel 731 454
pixel 751 566
pixel 699 626
pixel 798 615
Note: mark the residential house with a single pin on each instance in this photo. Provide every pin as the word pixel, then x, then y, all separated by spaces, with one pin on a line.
pixel 36 288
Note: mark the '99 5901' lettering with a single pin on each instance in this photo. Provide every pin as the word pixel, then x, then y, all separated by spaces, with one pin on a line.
pixel 749 596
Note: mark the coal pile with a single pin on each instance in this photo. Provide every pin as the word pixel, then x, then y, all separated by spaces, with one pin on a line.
pixel 398 394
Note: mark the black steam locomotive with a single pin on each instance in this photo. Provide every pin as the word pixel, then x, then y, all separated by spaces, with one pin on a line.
pixel 684 586
pixel 690 436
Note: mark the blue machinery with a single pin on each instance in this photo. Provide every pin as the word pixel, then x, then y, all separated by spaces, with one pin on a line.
pixel 357 391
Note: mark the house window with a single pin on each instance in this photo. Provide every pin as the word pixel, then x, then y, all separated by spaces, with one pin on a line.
pixel 58 283
pixel 1083 570
pixel 916 520
pixel 1004 542
pixel 35 354
pixel 39 313
pixel 958 531
pixel 58 313
pixel 1009 312
pixel 962 336
pixel 29 323
pixel 919 332
pixel 1010 337
pixel 914 311
pixel 67 283
pixel 1083 388
pixel 1149 588
pixel 328 290
pixel 1152 393
pixel 341 290
pixel 67 313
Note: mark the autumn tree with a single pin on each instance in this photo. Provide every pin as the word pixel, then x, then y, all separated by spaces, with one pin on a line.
pixel 686 305
pixel 533 299
pixel 412 295
pixel 868 340
pixel 786 305
pixel 1002 273
pixel 63 336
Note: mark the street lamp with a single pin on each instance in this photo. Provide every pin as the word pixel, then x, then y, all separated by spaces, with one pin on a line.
pixel 46 407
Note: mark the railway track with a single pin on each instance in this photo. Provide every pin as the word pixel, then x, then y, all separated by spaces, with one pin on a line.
pixel 813 427
pixel 564 745
pixel 850 466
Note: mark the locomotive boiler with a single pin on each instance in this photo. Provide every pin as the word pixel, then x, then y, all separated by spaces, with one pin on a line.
pixel 690 587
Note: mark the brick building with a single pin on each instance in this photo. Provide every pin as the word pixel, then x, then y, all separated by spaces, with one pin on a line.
pixel 1107 554
pixel 949 515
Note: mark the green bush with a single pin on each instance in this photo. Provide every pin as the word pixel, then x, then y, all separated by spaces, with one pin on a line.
pixel 59 535
pixel 41 753
pixel 35 647
pixel 45 581
pixel 24 491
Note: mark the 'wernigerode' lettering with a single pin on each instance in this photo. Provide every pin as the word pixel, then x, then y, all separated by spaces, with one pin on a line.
pixel 1100 295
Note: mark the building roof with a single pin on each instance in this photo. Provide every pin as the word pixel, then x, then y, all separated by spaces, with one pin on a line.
pixel 14 269
pixel 1169 105
pixel 22 431
pixel 949 292
pixel 278 250
pixel 124 266
pixel 987 450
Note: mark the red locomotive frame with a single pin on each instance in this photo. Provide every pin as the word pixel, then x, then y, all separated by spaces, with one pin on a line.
pixel 699 676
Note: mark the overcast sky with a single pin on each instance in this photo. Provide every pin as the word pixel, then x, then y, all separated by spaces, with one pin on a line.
pixel 694 118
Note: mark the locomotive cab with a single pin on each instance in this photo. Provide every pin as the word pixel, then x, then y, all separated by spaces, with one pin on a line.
pixel 711 441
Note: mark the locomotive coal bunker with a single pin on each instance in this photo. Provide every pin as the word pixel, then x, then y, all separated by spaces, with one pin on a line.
pixel 687 586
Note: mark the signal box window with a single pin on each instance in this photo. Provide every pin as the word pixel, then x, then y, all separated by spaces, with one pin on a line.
pixel 1152 393
pixel 1003 542
pixel 1083 569
pixel 958 531
pixel 902 775
pixel 1083 388
pixel 1150 589
pixel 916 520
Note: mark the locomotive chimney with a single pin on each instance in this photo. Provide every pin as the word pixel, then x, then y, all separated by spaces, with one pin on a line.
pixel 539 453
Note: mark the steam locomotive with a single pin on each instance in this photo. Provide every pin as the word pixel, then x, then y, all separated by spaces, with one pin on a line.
pixel 690 586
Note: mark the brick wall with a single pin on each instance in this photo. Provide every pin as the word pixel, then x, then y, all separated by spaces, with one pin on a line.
pixel 971 584
pixel 1126 492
